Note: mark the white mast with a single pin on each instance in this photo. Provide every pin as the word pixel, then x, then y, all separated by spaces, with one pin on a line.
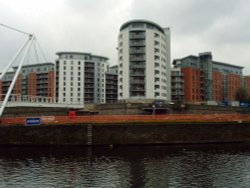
pixel 27 47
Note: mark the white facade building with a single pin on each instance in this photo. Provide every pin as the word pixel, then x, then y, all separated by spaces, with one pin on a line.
pixel 80 78
pixel 144 61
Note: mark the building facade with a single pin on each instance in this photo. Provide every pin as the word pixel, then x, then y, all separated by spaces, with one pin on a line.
pixel 111 84
pixel 190 70
pixel 144 71
pixel 229 80
pixel 80 78
pixel 177 82
pixel 208 80
pixel 33 80
pixel 246 84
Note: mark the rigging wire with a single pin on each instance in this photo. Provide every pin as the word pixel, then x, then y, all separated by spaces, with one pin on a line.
pixel 41 50
pixel 36 53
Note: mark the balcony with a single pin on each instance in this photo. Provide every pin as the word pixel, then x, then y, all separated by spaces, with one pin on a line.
pixel 87 86
pixel 137 51
pixel 141 82
pixel 89 70
pixel 137 43
pixel 137 66
pixel 89 76
pixel 137 36
pixel 177 93
pixel 89 91
pixel 137 74
pixel 137 58
pixel 136 89
pixel 89 81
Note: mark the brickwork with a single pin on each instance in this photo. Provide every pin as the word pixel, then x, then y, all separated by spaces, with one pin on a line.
pixel 51 84
pixel 217 86
pixel 191 77
pixel 32 84
pixel 18 86
pixel 247 84
pixel 233 84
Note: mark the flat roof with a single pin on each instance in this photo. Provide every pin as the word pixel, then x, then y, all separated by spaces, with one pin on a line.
pixel 81 53
pixel 35 65
pixel 227 64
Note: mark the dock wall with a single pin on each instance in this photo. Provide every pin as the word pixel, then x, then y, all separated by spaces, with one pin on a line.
pixel 125 134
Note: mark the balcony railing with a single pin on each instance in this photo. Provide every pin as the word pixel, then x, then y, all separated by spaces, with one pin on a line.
pixel 137 36
pixel 137 43
pixel 137 74
pixel 141 66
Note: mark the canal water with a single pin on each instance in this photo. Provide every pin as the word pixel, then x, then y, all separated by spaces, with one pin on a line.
pixel 221 165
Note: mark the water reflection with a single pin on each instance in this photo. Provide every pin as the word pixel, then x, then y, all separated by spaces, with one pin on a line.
pixel 137 166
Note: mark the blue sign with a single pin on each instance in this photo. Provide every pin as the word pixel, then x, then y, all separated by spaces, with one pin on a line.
pixel 33 121
pixel 244 104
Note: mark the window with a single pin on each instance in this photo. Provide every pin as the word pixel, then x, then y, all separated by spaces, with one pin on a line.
pixel 157 87
pixel 157 94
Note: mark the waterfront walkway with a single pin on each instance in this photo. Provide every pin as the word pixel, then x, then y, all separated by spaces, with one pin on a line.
pixel 105 119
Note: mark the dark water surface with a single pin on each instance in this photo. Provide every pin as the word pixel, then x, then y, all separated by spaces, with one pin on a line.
pixel 131 166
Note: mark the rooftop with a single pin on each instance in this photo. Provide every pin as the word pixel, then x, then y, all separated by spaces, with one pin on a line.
pixel 126 24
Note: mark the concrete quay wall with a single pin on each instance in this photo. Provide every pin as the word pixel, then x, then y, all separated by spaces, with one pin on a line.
pixel 125 134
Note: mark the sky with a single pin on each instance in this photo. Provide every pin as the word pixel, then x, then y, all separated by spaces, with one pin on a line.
pixel 218 26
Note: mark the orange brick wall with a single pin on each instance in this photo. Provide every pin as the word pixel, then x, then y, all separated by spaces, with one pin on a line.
pixel 18 86
pixel 51 84
pixel 247 84
pixel 217 86
pixel 191 79
pixel 233 83
pixel 32 84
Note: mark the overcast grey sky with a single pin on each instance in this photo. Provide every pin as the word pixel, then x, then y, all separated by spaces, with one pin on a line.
pixel 219 26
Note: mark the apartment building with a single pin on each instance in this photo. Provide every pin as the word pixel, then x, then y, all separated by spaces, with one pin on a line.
pixel 208 80
pixel 33 80
pixel 144 71
pixel 80 78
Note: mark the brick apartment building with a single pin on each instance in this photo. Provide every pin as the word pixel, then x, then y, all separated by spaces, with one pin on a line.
pixel 208 80
pixel 33 80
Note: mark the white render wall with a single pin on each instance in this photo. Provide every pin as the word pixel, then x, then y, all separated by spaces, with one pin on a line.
pixel 71 82
pixel 162 72
pixel 71 91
